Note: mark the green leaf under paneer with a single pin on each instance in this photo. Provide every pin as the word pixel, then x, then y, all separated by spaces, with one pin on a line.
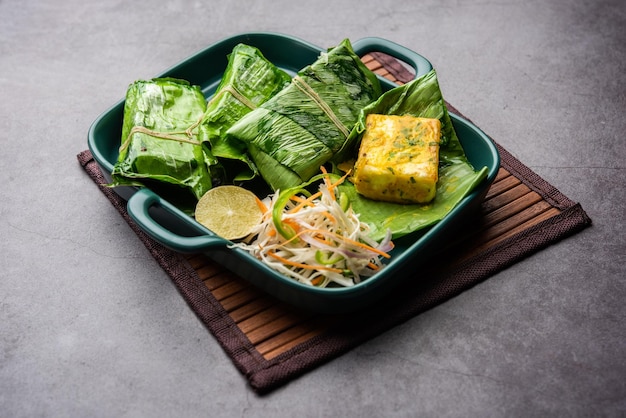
pixel 455 182
pixel 421 97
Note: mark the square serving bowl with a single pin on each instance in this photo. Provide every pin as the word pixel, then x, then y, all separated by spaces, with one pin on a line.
pixel 180 232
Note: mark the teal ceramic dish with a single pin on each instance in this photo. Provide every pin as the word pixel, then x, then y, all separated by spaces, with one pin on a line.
pixel 180 232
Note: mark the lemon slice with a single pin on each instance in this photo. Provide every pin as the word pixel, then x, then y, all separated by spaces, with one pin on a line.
pixel 229 211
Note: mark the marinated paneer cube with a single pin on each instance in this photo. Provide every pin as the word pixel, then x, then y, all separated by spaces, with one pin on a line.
pixel 398 159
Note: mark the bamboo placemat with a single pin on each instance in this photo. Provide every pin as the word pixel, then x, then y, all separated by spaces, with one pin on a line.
pixel 271 342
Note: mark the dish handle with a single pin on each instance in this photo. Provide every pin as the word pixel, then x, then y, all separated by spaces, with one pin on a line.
pixel 145 206
pixel 419 63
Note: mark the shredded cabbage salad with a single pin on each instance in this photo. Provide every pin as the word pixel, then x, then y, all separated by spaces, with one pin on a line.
pixel 317 239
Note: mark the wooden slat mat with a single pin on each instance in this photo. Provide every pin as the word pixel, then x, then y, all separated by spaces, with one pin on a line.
pixel 271 342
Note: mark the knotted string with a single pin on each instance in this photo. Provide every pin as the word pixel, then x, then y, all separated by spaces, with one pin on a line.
pixel 175 136
pixel 306 89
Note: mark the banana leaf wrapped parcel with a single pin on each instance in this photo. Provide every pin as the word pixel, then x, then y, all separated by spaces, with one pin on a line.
pixel 310 121
pixel 249 80
pixel 159 148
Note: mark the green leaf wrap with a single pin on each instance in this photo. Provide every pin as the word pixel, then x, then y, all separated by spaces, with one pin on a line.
pixel 248 81
pixel 156 150
pixel 308 123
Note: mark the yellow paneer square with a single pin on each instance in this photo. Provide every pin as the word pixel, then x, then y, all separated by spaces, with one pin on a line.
pixel 398 159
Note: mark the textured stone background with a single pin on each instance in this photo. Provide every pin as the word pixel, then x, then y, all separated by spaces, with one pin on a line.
pixel 91 326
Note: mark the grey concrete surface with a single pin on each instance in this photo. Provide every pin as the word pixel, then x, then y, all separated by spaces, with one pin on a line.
pixel 90 326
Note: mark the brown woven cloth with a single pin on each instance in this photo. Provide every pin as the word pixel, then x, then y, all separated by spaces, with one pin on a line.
pixel 344 332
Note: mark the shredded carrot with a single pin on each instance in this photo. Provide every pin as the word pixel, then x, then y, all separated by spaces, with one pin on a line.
pixel 330 186
pixel 324 240
pixel 298 199
pixel 305 202
pixel 301 265
pixel 372 266
pixel 329 216
pixel 261 205
pixel 317 280
pixel 302 202
pixel 346 239
pixel 292 224
pixel 327 182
